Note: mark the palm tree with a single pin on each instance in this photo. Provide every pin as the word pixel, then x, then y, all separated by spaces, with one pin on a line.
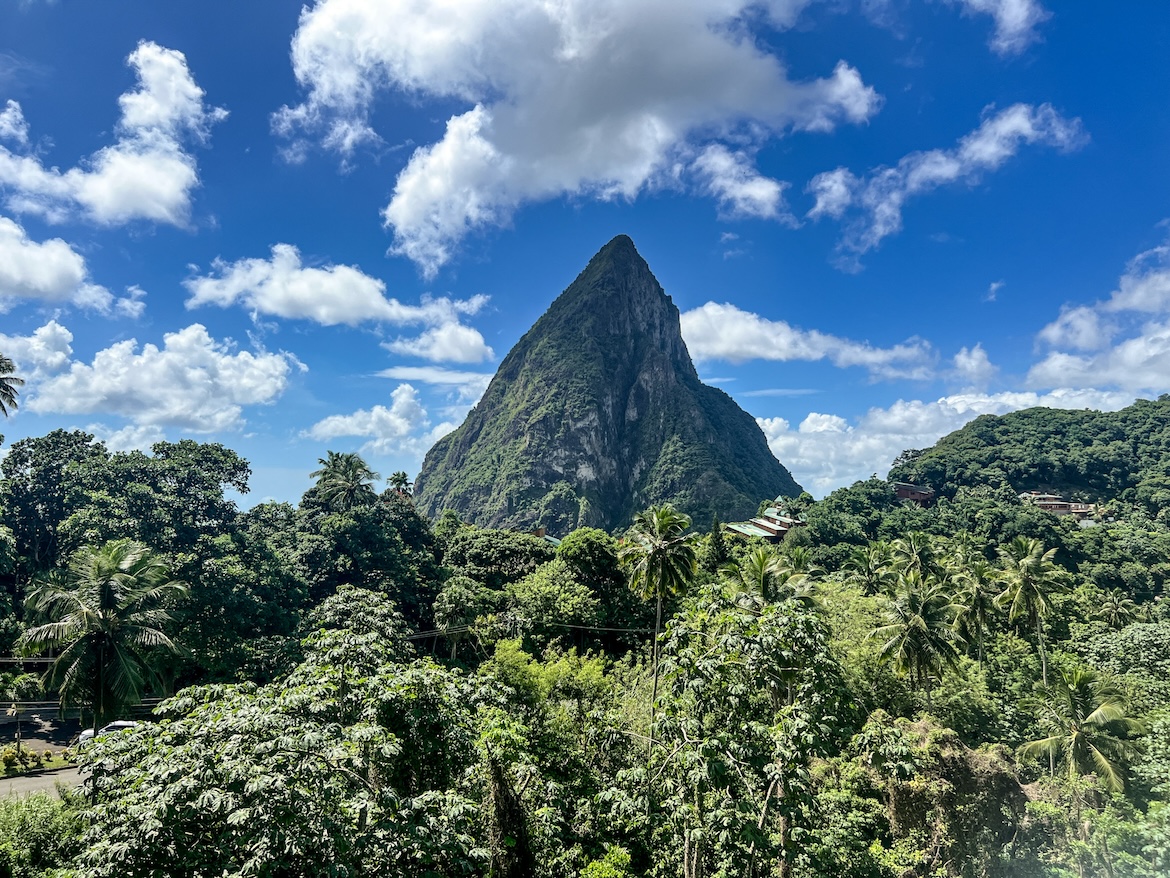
pixel 870 567
pixel 8 385
pixel 979 586
pixel 1031 576
pixel 919 637
pixel 914 552
pixel 400 482
pixel 105 610
pixel 1117 610
pixel 1086 714
pixel 344 480
pixel 752 581
pixel 661 558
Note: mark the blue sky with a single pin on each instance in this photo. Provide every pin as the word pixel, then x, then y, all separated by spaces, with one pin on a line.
pixel 296 229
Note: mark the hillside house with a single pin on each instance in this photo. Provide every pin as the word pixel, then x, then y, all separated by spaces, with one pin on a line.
pixel 770 525
pixel 920 494
pixel 1057 505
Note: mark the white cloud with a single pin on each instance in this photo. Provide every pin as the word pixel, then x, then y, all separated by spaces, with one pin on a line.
pixel 1082 328
pixel 741 190
pixel 129 438
pixel 284 287
pixel 1015 22
pixel 993 289
pixel 468 386
pixel 50 271
pixel 1140 365
pixel 12 123
pixel 145 174
pixel 878 199
pixel 1136 312
pixel 1145 286
pixel 399 429
pixel 973 367
pixel 595 98
pixel 193 383
pixel 132 305
pixel 449 342
pixel 833 191
pixel 43 353
pixel 724 332
pixel 826 452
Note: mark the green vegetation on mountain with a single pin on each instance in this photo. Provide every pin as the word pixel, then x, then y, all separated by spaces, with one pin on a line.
pixel 1082 455
pixel 596 413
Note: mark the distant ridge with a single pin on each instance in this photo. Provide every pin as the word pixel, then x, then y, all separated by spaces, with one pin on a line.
pixel 598 412
pixel 1080 454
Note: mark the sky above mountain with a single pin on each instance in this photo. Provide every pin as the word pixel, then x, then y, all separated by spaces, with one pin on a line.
pixel 296 228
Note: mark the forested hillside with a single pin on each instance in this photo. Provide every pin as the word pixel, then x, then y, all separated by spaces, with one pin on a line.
pixel 1084 455
pixel 975 689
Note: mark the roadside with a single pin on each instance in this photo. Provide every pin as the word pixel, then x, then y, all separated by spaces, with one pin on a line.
pixel 41 782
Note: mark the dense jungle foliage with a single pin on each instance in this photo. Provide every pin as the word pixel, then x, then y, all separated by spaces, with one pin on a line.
pixel 974 689
pixel 1082 455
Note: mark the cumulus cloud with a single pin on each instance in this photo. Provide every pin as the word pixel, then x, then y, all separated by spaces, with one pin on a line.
pixel 283 286
pixel 132 437
pixel 43 353
pixel 400 428
pixel 871 207
pixel 192 382
pixel 1085 350
pixel 973 367
pixel 724 332
pixel 825 451
pixel 1140 364
pixel 1082 328
pixel 51 270
pixel 1015 22
pixel 594 98
pixel 12 123
pixel 146 174
pixel 450 343
pixel 741 190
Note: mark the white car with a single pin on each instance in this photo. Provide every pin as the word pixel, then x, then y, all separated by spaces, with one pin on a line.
pixel 116 726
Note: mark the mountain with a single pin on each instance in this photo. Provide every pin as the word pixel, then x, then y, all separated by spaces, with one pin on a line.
pixel 597 413
pixel 1082 455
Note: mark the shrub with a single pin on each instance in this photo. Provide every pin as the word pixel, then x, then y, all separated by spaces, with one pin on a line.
pixel 8 757
pixel 47 755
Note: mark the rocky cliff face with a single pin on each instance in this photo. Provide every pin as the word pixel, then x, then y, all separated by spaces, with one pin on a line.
pixel 596 413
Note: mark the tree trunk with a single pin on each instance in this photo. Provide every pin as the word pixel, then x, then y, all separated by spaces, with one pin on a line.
pixel 653 701
pixel 1043 652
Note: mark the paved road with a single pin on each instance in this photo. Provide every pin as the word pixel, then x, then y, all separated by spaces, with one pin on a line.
pixel 45 782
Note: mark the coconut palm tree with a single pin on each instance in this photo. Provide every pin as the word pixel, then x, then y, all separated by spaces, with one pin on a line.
pixel 661 558
pixel 8 385
pixel 918 635
pixel 870 567
pixel 752 581
pixel 1117 610
pixel 105 611
pixel 344 480
pixel 1086 714
pixel 400 482
pixel 1030 575
pixel 979 587
pixel 914 552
